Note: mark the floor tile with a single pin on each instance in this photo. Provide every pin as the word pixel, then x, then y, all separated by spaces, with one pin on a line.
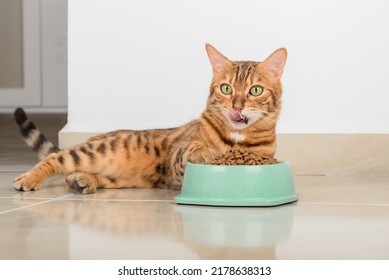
pixel 163 230
pixel 17 163
pixel 25 235
pixel 10 205
pixel 129 195
pixel 74 227
pixel 333 232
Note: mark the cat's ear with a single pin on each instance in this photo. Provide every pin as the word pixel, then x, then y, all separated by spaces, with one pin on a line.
pixel 218 61
pixel 275 62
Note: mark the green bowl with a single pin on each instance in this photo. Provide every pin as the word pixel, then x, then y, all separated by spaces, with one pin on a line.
pixel 238 185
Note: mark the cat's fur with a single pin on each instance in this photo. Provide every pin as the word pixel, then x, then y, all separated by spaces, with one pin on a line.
pixel 157 158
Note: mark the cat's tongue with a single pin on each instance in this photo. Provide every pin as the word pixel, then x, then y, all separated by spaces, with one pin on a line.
pixel 235 116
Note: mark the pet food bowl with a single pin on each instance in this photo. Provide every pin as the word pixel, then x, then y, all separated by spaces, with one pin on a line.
pixel 237 185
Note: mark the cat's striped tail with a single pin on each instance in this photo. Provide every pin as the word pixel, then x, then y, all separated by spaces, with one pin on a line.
pixel 33 136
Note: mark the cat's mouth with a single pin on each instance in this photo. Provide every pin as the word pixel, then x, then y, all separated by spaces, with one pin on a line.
pixel 237 117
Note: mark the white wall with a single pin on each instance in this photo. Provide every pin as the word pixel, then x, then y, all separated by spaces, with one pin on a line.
pixel 142 64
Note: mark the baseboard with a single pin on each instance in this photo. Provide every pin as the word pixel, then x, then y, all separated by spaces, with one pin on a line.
pixel 311 154
pixel 336 154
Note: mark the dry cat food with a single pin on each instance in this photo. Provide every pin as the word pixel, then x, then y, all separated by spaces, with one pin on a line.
pixel 242 157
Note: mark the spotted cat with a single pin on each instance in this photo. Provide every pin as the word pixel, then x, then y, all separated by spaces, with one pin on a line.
pixel 242 110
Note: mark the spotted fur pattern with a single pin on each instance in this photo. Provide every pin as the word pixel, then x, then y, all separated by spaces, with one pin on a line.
pixel 157 158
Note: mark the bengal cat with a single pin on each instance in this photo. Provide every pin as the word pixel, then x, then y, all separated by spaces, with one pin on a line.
pixel 242 110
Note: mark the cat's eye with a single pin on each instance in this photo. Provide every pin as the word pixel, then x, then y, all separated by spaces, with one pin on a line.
pixel 256 90
pixel 226 89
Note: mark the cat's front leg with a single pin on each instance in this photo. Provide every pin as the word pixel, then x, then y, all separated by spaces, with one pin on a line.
pixel 195 152
pixel 201 154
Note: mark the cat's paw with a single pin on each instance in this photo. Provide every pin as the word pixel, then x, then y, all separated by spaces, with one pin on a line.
pixel 202 156
pixel 25 183
pixel 83 183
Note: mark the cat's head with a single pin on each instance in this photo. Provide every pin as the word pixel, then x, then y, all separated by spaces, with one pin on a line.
pixel 244 93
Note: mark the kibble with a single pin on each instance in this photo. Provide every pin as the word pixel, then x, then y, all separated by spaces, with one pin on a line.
pixel 242 157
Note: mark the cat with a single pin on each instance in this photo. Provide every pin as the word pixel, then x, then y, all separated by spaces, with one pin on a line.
pixel 242 110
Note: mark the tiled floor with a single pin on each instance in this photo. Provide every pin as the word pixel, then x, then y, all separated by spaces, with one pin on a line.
pixel 335 218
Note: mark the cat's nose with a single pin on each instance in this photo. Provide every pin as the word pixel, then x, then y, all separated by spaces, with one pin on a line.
pixel 237 107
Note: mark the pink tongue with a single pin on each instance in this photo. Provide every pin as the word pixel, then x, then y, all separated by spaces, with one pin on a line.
pixel 235 115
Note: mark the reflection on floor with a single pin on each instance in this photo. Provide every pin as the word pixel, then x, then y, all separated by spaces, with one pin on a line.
pixel 335 218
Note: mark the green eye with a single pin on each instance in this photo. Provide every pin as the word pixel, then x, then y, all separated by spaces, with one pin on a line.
pixel 256 90
pixel 226 89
